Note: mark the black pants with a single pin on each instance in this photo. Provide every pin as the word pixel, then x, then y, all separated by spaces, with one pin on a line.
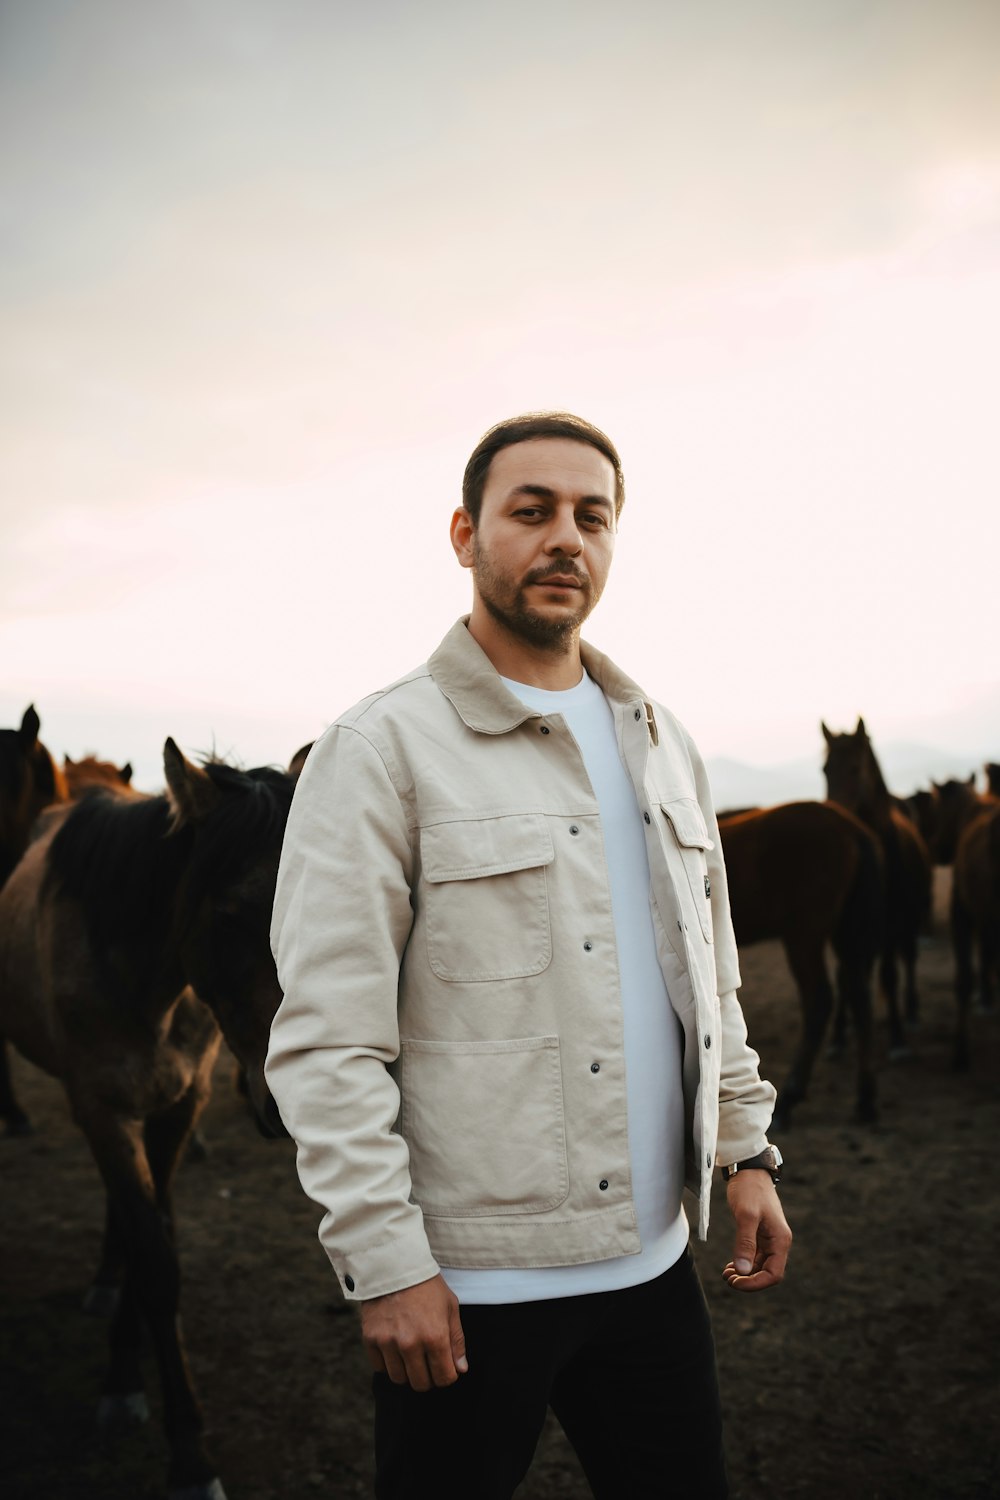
pixel 629 1374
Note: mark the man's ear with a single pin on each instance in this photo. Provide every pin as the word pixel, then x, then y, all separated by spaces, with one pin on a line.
pixel 462 536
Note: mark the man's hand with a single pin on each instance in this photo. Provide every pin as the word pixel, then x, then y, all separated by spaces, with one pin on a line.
pixel 415 1335
pixel 763 1237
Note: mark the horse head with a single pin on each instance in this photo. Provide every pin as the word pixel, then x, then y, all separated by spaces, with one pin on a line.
pixel 236 822
pixel 853 778
pixel 29 781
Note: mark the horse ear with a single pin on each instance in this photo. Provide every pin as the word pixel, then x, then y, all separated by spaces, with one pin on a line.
pixel 861 732
pixel 826 733
pixel 190 789
pixel 30 725
pixel 971 780
pixel 125 773
pixel 68 762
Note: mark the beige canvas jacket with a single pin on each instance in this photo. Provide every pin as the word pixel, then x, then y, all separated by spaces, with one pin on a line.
pixel 448 1055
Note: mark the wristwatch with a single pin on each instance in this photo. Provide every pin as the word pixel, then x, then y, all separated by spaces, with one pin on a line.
pixel 769 1160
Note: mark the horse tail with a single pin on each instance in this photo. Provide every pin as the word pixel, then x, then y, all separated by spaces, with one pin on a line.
pixel 860 926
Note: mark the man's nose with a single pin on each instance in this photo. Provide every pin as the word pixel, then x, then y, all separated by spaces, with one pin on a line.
pixel 564 535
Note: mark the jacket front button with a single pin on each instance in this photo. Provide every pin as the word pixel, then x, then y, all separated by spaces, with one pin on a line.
pixel 573 829
pixel 349 1283
pixel 595 1067
pixel 544 729
pixel 708 1041
pixel 603 1184
pixel 645 817
pixel 638 715
pixel 588 945
pixel 708 1161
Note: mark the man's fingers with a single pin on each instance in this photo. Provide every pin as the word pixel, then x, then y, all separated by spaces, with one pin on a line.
pixel 745 1251
pixel 754 1281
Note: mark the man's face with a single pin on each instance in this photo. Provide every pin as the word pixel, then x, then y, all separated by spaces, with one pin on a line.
pixel 541 552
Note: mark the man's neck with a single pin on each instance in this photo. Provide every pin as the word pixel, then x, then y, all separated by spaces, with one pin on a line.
pixel 554 669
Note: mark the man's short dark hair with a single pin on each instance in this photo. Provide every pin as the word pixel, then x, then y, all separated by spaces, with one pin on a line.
pixel 534 424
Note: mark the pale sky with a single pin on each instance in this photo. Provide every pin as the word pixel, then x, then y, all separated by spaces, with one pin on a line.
pixel 268 270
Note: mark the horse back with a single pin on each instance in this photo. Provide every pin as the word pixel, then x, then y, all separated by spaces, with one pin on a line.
pixel 977 867
pixel 26 1018
pixel 791 869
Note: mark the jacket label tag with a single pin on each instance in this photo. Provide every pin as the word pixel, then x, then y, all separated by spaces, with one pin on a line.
pixel 708 887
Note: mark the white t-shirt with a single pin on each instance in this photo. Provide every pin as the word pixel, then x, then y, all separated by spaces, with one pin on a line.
pixel 651 1029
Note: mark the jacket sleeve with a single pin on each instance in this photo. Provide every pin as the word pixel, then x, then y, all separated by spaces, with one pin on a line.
pixel 342 917
pixel 746 1101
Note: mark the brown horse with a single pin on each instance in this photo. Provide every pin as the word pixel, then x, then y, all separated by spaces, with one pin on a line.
pixel 992 770
pixel 29 781
pixel 975 918
pixel 811 874
pixel 956 804
pixel 89 772
pixel 854 780
pixel 129 934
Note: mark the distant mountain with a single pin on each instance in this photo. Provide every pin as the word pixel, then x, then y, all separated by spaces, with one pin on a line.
pixel 905 765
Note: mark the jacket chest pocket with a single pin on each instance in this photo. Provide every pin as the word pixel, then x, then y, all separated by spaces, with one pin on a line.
pixel 486 897
pixel 687 824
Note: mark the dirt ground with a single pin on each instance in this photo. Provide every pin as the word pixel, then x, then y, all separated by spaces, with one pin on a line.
pixel 872 1372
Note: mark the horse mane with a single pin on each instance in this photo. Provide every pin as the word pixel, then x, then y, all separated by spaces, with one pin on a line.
pixel 113 857
pixel 879 779
pixel 50 783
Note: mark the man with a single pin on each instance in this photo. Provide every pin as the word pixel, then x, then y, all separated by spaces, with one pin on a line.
pixel 510 1030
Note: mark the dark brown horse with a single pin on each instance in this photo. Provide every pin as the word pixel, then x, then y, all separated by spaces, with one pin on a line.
pixel 975 918
pixel 129 934
pixel 956 804
pixel 810 874
pixel 29 781
pixel 992 770
pixel 854 780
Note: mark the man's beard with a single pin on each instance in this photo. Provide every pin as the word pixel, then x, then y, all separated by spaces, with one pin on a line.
pixel 506 602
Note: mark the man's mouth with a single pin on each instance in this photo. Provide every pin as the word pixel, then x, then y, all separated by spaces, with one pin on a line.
pixel 558 581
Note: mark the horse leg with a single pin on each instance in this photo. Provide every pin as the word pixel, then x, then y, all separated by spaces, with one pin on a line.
pixel 152 1292
pixel 961 941
pixel 854 990
pixel 10 1111
pixel 908 952
pixel 987 963
pixel 808 966
pixel 838 1036
pixel 890 988
pixel 102 1295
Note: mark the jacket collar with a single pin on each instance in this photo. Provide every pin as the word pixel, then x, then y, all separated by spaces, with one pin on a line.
pixel 467 678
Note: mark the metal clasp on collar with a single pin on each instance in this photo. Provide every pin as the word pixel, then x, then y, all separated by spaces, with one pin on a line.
pixel 654 733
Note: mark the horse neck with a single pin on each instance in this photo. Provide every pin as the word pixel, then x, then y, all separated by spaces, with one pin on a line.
pixel 876 801
pixel 48 781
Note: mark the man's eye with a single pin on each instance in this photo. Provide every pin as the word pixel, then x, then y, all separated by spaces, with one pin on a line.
pixel 594 519
pixel 531 511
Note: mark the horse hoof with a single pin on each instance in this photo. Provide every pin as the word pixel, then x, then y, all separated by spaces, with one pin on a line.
pixel 101 1301
pixel 210 1489
pixel 120 1412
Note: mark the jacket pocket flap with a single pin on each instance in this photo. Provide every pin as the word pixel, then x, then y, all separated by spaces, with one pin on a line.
pixel 472 848
pixel 688 823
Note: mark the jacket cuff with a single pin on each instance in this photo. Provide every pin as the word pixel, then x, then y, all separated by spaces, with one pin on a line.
pixel 376 1270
